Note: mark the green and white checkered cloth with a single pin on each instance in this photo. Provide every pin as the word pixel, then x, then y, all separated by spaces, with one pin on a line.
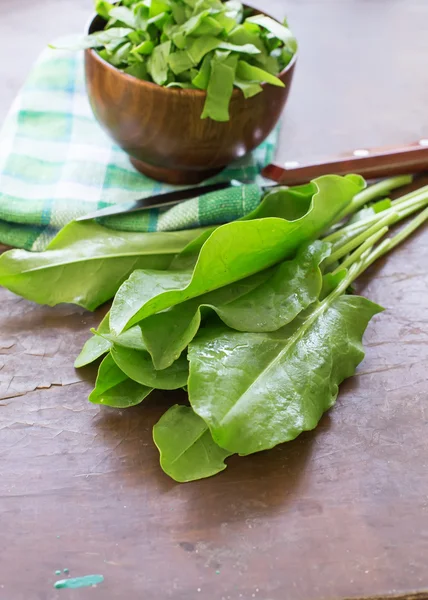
pixel 57 164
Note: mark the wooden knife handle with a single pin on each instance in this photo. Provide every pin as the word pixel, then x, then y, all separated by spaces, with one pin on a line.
pixel 371 164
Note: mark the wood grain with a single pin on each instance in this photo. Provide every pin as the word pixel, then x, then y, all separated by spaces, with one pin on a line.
pixel 409 160
pixel 341 512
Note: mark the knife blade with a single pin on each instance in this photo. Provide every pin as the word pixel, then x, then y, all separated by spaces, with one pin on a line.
pixel 372 164
pixel 165 200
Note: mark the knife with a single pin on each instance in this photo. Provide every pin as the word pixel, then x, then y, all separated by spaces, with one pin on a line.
pixel 371 164
pixel 165 200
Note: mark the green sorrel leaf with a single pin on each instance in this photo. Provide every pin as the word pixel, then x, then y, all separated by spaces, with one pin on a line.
pixel 187 450
pixel 113 388
pixel 256 391
pixel 232 252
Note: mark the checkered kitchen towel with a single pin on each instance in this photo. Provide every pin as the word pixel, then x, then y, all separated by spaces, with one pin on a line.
pixel 57 164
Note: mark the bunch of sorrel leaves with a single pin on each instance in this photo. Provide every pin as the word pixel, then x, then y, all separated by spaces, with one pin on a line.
pixel 255 318
pixel 193 44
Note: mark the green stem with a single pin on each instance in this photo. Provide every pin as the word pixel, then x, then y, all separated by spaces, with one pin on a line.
pixel 406 211
pixel 351 276
pixel 373 192
pixel 410 196
pixel 353 243
pixel 357 268
pixel 390 243
pixel 359 253
pixel 402 208
pixel 367 258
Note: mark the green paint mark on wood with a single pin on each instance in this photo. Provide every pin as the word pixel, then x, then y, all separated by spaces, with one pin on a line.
pixel 79 582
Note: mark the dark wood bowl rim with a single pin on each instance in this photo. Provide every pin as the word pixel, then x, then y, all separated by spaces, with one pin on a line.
pixel 174 90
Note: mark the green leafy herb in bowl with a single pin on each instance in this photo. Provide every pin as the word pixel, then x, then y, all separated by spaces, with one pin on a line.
pixel 194 44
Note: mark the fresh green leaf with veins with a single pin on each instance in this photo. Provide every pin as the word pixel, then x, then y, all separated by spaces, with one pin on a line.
pixel 167 334
pixel 103 8
pixel 233 252
pixel 291 288
pixel 124 15
pixel 264 302
pixel 255 391
pixel 160 41
pixel 157 64
pixel 268 338
pixel 280 32
pixel 86 263
pixel 248 88
pixel 247 72
pixel 220 87
pixel 113 388
pixel 138 366
pixel 270 388
pixel 96 346
pixel 187 450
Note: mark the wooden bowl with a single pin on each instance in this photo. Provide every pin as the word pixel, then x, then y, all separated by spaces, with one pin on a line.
pixel 161 128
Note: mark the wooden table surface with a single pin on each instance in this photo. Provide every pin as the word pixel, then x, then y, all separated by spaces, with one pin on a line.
pixel 341 512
